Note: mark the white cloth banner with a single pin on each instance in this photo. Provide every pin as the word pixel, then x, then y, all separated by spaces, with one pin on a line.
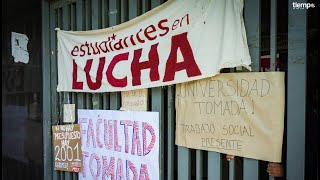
pixel 119 144
pixel 179 41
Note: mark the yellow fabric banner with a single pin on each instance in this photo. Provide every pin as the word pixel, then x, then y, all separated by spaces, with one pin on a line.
pixel 234 113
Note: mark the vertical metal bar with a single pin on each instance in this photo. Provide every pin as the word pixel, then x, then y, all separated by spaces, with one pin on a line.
pixel 105 23
pixel 106 101
pixel 296 91
pixel 184 163
pixel 96 101
pixel 96 23
pixel 115 98
pixel 155 3
pixel 73 27
pixel 79 26
pixel 104 12
pixel 66 25
pixel 88 26
pixel 96 14
pixel 199 166
pixel 232 170
pixel 81 105
pixel 66 100
pixel 74 96
pixel 273 40
pixel 273 35
pixel 125 10
pixel 53 77
pixel 158 106
pixel 214 165
pixel 133 11
pixel 79 15
pixel 232 165
pixel 73 16
pixel 145 6
pixel 80 101
pixel 88 100
pixel 46 80
pixel 75 101
pixel 66 16
pixel 60 102
pixel 252 24
pixel 199 159
pixel 113 12
pixel 87 14
pixel 59 24
pixel 170 131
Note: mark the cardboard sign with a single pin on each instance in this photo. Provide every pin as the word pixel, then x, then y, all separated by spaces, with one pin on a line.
pixel 119 144
pixel 135 100
pixel 67 147
pixel 176 42
pixel 233 113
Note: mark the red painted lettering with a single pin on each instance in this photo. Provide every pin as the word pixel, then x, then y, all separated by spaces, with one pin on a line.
pixel 147 32
pixel 152 64
pixel 165 28
pixel 90 134
pixel 94 85
pixel 83 52
pixel 189 64
pixel 116 145
pixel 144 175
pixel 126 123
pixel 130 166
pixel 108 130
pixel 146 149
pixel 111 79
pixel 75 49
pixel 119 169
pixel 175 24
pixel 108 170
pixel 94 174
pixel 138 37
pixel 136 139
pixel 84 157
pixel 99 121
pixel 75 83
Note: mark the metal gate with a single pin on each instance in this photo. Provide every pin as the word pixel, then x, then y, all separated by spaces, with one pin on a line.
pixel 175 162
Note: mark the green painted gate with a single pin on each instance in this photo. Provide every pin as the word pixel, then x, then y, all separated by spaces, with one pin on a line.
pixel 175 162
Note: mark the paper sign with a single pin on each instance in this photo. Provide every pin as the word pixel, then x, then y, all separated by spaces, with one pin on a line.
pixel 67 147
pixel 233 113
pixel 19 47
pixel 69 113
pixel 135 100
pixel 119 144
